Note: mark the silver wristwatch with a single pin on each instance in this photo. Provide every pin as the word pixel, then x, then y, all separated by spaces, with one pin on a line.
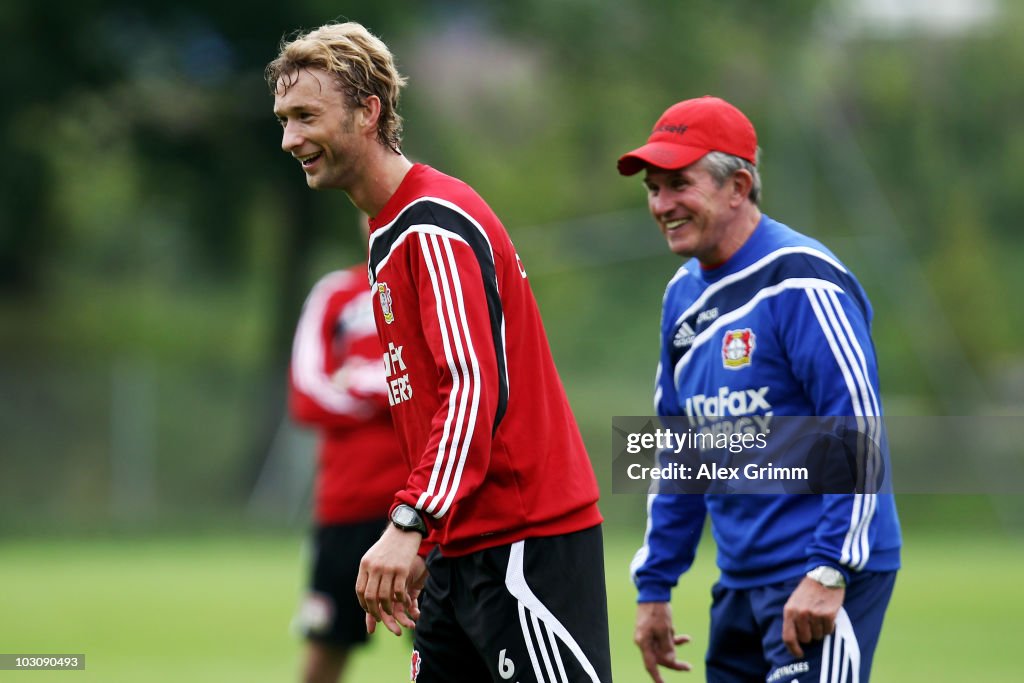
pixel 407 518
pixel 829 577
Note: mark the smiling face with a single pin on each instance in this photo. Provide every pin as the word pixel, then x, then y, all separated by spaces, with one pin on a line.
pixel 694 213
pixel 320 129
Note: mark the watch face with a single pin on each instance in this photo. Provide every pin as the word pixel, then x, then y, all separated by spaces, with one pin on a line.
pixel 828 577
pixel 404 517
pixel 407 518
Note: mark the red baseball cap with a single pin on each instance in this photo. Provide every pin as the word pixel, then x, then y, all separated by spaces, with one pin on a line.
pixel 690 129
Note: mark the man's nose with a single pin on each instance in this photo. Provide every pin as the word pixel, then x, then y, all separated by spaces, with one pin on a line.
pixel 661 204
pixel 290 139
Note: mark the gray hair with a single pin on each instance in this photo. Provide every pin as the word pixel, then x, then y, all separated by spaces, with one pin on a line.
pixel 721 165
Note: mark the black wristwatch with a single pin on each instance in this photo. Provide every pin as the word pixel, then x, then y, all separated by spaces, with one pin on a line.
pixel 407 518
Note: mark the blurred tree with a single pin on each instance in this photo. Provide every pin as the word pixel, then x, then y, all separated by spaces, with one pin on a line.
pixel 146 208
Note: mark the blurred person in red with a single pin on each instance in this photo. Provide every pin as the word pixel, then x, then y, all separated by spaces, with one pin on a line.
pixel 337 386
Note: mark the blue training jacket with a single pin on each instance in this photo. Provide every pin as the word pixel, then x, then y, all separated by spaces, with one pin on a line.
pixel 782 328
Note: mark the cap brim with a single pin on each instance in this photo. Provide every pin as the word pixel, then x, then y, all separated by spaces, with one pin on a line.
pixel 664 155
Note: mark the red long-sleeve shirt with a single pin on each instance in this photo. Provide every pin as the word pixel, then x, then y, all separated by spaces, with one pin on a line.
pixel 478 406
pixel 337 386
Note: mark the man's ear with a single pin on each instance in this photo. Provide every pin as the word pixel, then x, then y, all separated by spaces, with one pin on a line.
pixel 740 183
pixel 369 114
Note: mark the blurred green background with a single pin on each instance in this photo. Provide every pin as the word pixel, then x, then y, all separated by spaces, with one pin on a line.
pixel 156 246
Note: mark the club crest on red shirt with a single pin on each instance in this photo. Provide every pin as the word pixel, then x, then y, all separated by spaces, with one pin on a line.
pixel 384 294
pixel 737 348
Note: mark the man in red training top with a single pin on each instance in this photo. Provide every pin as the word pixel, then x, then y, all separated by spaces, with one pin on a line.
pixel 500 480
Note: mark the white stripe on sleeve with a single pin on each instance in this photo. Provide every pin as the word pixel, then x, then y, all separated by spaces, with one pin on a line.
pixel 464 399
pixel 850 360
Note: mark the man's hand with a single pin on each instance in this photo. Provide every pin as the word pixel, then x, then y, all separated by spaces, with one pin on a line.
pixel 810 614
pixel 656 638
pixel 391 576
pixel 405 615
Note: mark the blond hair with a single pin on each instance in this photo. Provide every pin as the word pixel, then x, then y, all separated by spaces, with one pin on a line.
pixel 360 62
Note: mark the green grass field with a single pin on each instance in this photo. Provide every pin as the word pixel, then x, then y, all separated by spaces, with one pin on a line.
pixel 217 609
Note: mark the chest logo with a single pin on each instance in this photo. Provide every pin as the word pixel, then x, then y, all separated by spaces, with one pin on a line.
pixel 684 336
pixel 396 374
pixel 384 294
pixel 737 348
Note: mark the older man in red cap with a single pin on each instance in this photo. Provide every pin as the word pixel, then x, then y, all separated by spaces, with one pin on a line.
pixel 761 324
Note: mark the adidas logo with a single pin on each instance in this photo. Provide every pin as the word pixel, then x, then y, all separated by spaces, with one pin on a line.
pixel 684 337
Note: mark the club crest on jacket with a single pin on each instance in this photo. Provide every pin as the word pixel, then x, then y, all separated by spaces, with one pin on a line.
pixel 737 348
pixel 384 294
